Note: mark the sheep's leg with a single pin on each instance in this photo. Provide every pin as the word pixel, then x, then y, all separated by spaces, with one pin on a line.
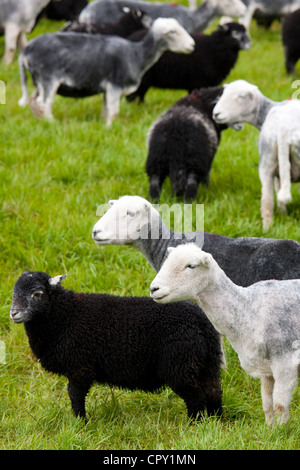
pixel 246 20
pixel 112 96
pixel 285 383
pixel 191 188
pixel 267 197
pixel 267 385
pixel 77 393
pixel 284 195
pixel 42 99
pixel 22 41
pixel 155 187
pixel 12 33
pixel 24 100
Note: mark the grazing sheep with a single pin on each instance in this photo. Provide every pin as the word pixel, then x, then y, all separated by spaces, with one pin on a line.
pixel 80 64
pixel 209 64
pixel 182 143
pixel 191 20
pixel 18 17
pixel 68 10
pixel 133 221
pixel 128 342
pixel 291 40
pixel 267 9
pixel 131 21
pixel 279 139
pixel 261 321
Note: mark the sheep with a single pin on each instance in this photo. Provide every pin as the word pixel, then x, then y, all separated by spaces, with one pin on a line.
pixel 191 20
pixel 17 17
pixel 128 342
pixel 291 40
pixel 133 221
pixel 267 9
pixel 68 10
pixel 182 143
pixel 209 64
pixel 279 139
pixel 261 322
pixel 80 64
pixel 132 20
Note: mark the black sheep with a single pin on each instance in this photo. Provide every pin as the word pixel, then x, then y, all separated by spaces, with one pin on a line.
pixel 182 144
pixel 129 342
pixel 64 9
pixel 291 40
pixel 132 20
pixel 208 65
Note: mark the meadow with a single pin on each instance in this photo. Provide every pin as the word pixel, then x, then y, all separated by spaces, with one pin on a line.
pixel 53 177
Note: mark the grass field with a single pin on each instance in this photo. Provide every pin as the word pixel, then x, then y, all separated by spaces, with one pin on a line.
pixel 53 177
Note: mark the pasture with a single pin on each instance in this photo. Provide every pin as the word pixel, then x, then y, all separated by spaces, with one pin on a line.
pixel 53 177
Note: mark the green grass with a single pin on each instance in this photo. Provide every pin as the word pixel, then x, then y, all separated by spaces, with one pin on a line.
pixel 53 177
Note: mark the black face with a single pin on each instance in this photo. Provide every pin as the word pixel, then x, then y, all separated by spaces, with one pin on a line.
pixel 239 33
pixel 30 296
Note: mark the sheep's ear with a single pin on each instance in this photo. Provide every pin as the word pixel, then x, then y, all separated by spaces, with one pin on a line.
pixel 223 27
pixel 205 259
pixel 147 207
pixel 170 249
pixel 126 9
pixel 111 202
pixel 54 281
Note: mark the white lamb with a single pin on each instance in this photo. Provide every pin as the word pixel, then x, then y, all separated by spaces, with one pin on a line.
pixel 262 322
pixel 279 139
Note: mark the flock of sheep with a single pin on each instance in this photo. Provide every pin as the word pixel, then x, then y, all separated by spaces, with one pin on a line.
pixel 121 48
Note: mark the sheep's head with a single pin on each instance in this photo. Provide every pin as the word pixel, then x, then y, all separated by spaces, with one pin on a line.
pixel 235 8
pixel 31 295
pixel 126 220
pixel 175 37
pixel 183 275
pixel 238 32
pixel 238 104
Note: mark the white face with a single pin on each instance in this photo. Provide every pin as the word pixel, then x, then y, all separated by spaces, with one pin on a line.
pixel 183 275
pixel 236 105
pixel 228 7
pixel 178 39
pixel 123 222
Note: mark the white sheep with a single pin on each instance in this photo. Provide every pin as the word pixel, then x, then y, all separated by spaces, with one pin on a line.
pixel 80 64
pixel 279 139
pixel 261 322
pixel 18 17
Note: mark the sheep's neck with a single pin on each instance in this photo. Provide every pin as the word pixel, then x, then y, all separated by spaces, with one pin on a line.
pixel 151 50
pixel 263 110
pixel 226 306
pixel 202 17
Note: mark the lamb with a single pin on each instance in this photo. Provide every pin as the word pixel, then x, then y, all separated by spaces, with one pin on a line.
pixel 209 64
pixel 131 21
pixel 261 322
pixel 129 342
pixel 279 139
pixel 18 17
pixel 268 9
pixel 191 20
pixel 133 221
pixel 291 40
pixel 182 143
pixel 80 64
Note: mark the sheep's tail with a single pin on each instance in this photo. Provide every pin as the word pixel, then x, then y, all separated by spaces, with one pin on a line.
pixel 24 100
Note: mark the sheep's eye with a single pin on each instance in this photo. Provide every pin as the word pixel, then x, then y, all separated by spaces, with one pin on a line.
pixel 37 295
pixel 191 266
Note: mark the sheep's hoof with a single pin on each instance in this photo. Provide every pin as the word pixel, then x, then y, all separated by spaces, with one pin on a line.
pixel 23 102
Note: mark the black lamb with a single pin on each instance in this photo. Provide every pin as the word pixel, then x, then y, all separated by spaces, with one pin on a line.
pixel 129 342
pixel 132 20
pixel 208 65
pixel 182 143
pixel 291 40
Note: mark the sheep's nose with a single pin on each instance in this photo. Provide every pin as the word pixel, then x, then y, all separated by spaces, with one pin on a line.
pixel 215 115
pixel 154 289
pixel 95 232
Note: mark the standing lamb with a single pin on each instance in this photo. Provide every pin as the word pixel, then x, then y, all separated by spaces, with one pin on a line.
pixel 18 17
pixel 128 342
pixel 80 64
pixel 182 143
pixel 209 64
pixel 279 139
pixel 291 40
pixel 133 221
pixel 261 321
pixel 268 9
pixel 191 20
pixel 131 21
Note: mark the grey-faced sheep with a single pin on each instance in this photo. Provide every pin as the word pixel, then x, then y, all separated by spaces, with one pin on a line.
pixel 131 21
pixel 191 20
pixel 18 17
pixel 291 40
pixel 182 143
pixel 209 64
pixel 261 321
pixel 128 342
pixel 279 139
pixel 80 64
